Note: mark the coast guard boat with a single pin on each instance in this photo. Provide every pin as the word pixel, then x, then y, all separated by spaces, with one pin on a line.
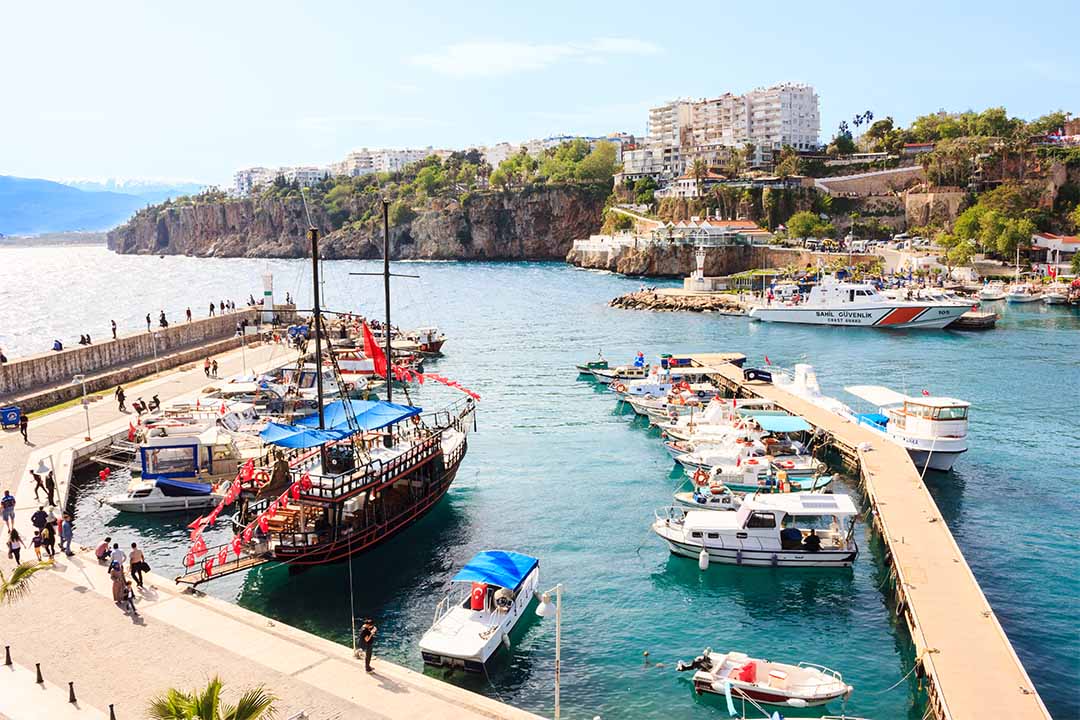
pixel 856 304
pixel 469 627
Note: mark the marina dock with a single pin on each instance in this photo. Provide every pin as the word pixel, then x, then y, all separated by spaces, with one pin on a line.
pixel 970 667
pixel 70 626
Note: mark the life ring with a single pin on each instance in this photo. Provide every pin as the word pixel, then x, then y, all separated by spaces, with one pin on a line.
pixel 260 478
pixel 619 387
pixel 701 478
pixel 716 489
pixel 751 461
pixel 415 419
pixel 787 464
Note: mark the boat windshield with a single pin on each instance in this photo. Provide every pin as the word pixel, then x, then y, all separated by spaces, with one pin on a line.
pixel 951 413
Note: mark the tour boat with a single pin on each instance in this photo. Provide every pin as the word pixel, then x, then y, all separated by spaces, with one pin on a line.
pixel 765 681
pixel 471 625
pixel 428 340
pixel 588 367
pixel 992 291
pixel 1023 293
pixel 621 373
pixel 710 497
pixel 855 304
pixel 932 429
pixel 1056 294
pixel 767 530
pixel 163 494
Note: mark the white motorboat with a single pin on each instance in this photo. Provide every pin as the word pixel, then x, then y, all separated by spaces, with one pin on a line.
pixel 778 530
pixel 1023 293
pixel 992 291
pixel 709 497
pixel 163 494
pixel 1056 294
pixel 856 304
pixel 469 627
pixel 764 681
pixel 620 373
pixel 932 429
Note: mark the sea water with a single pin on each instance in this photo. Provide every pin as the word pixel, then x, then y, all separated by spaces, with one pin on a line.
pixel 557 471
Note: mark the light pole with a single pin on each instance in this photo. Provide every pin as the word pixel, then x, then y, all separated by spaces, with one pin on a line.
pixel 80 378
pixel 544 609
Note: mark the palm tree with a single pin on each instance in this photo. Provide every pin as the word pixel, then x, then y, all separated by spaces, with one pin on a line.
pixel 16 586
pixel 205 704
pixel 699 170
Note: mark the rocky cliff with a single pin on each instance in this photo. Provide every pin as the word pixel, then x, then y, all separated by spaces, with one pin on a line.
pixel 534 223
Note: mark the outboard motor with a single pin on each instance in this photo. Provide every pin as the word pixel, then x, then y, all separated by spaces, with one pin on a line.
pixel 701 662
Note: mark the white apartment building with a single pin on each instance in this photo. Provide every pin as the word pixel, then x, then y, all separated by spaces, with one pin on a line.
pixel 305 175
pixel 365 162
pixel 249 179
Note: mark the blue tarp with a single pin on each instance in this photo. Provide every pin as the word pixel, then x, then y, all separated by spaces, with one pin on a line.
pixel 171 486
pixel 497 567
pixel 873 419
pixel 367 414
pixel 782 423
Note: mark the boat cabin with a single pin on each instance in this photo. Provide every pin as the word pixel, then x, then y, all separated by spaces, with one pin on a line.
pixel 776 522
pixel 209 456
pixel 926 416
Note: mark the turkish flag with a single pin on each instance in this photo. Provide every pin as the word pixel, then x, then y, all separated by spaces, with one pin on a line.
pixel 305 481
pixel 264 524
pixel 199 548
pixel 222 556
pixel 208 566
pixel 237 546
pixel 248 470
pixel 248 533
pixel 295 491
pixel 373 351
pixel 189 560
pixel 196 524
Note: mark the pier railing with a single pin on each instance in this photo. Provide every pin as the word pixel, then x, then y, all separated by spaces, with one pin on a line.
pixel 377 472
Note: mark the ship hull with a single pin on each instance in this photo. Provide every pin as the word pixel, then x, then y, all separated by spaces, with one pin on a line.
pixel 883 316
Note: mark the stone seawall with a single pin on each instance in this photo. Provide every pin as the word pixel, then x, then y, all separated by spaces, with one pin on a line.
pixel 36 372
pixel 679 261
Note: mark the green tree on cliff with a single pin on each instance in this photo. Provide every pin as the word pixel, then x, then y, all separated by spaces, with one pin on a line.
pixel 699 170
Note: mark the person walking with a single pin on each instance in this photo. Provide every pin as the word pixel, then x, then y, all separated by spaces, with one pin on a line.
pixel 7 510
pixel 24 425
pixel 367 641
pixel 147 322
pixel 67 532
pixel 117 557
pixel 37 542
pixel 189 314
pixel 48 540
pixel 116 574
pixel 128 602
pixel 206 367
pixel 40 519
pixel 213 368
pixel 120 398
pixel 14 545
pixel 138 564
pixel 39 484
pixel 113 322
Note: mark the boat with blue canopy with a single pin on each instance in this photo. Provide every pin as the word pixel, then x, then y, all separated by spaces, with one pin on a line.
pixel 470 626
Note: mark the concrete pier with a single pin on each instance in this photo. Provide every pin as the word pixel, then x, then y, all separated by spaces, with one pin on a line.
pixel 970 666
pixel 70 625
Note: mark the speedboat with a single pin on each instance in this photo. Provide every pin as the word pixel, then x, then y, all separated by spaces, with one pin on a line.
pixel 709 497
pixel 764 681
pixel 1023 293
pixel 856 304
pixel 992 291
pixel 470 626
pixel 162 494
pixel 778 530
pixel 932 429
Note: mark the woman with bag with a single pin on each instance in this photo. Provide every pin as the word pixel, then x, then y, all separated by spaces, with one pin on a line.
pixel 14 545
pixel 138 564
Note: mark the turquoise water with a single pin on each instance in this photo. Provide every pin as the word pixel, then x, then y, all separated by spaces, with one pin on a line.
pixel 555 471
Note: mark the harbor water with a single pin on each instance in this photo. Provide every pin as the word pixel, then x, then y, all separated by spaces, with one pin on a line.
pixel 557 471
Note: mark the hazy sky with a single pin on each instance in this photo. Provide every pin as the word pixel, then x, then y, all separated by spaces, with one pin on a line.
pixel 196 89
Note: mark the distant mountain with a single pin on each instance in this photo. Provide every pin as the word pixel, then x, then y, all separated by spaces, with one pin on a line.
pixel 29 206
pixel 153 191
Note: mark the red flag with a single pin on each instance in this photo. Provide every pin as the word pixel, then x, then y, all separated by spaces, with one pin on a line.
pixel 222 410
pixel 237 546
pixel 223 556
pixel 295 491
pixel 208 565
pixel 189 560
pixel 305 481
pixel 373 351
pixel 131 432
pixel 248 533
pixel 420 377
pixel 196 523
pixel 264 524
pixel 199 548
pixel 926 393
pixel 767 360
pixel 248 470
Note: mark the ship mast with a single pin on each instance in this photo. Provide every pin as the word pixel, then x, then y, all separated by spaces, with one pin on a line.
pixel 386 292
pixel 313 234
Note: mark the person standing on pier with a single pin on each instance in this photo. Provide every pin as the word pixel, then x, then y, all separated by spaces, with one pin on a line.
pixel 24 424
pixel 14 545
pixel 147 322
pixel 117 557
pixel 50 487
pixel 48 540
pixel 162 321
pixel 213 368
pixel 120 398
pixel 189 314
pixel 138 564
pixel 7 510
pixel 367 641
pixel 113 322
pixel 40 519
pixel 67 532
pixel 211 309
pixel 206 367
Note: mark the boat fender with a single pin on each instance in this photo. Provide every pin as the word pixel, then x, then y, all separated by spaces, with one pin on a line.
pixel 738 557
pixel 774 560
pixel 703 559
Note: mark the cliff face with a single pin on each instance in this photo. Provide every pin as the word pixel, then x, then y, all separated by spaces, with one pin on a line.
pixel 537 223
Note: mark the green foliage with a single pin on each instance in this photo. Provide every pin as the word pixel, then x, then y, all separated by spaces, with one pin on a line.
pixel 206 704
pixel 401 213
pixel 645 191
pixel 1074 217
pixel 841 144
pixel 804 224
pixel 1075 264
pixel 16 586
pixel 993 230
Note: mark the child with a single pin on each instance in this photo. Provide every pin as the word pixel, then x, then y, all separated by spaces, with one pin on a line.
pixel 129 598
pixel 37 542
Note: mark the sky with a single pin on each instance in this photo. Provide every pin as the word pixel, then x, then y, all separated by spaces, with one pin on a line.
pixel 197 90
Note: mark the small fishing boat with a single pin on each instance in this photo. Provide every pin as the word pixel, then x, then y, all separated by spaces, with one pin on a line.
pixel 709 497
pixel 762 478
pixel 587 368
pixel 992 291
pixel 621 373
pixel 1056 294
pixel 469 627
pixel 162 494
pixel 764 681
pixel 1023 293
pixel 778 530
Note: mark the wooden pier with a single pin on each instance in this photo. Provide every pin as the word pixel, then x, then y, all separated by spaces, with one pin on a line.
pixel 970 667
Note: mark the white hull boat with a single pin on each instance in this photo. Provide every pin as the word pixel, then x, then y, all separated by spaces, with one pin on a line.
pixel 993 291
pixel 849 304
pixel 766 531
pixel 716 497
pixel 1023 293
pixel 470 627
pixel 164 495
pixel 621 373
pixel 765 681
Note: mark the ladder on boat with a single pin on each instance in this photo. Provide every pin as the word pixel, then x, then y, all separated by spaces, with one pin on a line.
pixel 120 454
pixel 252 556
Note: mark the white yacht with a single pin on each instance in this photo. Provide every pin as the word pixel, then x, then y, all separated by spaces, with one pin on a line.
pixel 932 429
pixel 1023 293
pixel 780 530
pixel 856 304
pixel 163 494
pixel 992 291
pixel 470 626
pixel 1056 294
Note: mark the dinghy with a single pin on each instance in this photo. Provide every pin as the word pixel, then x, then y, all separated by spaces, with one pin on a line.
pixel 764 681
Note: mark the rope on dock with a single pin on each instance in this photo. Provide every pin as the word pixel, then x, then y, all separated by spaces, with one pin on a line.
pixel 914 665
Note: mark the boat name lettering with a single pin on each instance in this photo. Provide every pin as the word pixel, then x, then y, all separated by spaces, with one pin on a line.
pixel 844 314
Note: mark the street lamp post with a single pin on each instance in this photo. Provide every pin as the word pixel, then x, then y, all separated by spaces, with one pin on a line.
pixel 80 378
pixel 544 609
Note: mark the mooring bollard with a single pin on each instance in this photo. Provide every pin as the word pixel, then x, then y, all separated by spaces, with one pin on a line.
pixel 40 680
pixel 7 654
pixel 71 693
pixel 112 714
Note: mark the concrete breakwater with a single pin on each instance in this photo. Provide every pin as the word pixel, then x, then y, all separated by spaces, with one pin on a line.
pixel 663 259
pixel 674 300
pixel 41 380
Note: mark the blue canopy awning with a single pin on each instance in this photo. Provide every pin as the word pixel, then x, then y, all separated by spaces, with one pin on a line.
pixel 497 567
pixel 781 423
pixel 366 414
